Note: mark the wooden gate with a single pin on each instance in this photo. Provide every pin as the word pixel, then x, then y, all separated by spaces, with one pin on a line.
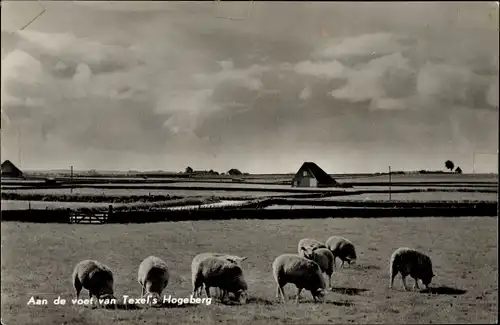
pixel 88 217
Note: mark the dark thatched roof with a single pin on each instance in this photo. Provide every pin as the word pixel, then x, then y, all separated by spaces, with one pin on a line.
pixel 321 176
pixel 9 169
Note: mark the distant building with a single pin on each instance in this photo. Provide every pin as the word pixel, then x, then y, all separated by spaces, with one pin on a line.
pixel 10 170
pixel 311 175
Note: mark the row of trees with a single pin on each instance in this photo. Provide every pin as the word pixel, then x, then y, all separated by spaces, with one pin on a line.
pixel 450 165
pixel 233 171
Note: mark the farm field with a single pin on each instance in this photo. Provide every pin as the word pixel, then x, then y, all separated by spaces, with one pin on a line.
pixel 37 260
pixel 25 205
pixel 444 177
pixel 419 196
pixel 136 192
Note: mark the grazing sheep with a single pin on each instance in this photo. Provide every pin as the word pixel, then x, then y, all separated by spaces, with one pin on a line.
pixel 94 276
pixel 309 243
pixel 215 271
pixel 342 248
pixel 304 273
pixel 409 261
pixel 153 277
pixel 324 258
pixel 232 258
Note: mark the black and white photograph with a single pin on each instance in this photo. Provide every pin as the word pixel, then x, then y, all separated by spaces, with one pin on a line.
pixel 249 162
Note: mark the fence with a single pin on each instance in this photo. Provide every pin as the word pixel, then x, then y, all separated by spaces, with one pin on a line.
pixel 90 217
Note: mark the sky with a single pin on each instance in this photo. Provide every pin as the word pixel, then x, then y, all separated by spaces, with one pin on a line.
pixel 262 86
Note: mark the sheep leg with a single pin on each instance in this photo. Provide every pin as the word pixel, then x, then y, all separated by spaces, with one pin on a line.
pixel 299 290
pixel 403 277
pixel 196 292
pixel 393 274
pixel 93 303
pixel 335 261
pixel 342 265
pixel 143 290
pixel 416 284
pixel 96 301
pixel 78 288
pixel 330 281
pixel 207 291
pixel 197 286
pixel 281 292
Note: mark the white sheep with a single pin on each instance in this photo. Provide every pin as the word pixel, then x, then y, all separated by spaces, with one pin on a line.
pixel 153 276
pixel 304 273
pixel 409 261
pixel 94 276
pixel 342 248
pixel 324 258
pixel 309 243
pixel 216 271
pixel 232 258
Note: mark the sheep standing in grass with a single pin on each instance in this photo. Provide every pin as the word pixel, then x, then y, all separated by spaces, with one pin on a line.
pixel 308 243
pixel 324 258
pixel 94 276
pixel 232 258
pixel 304 273
pixel 153 277
pixel 409 261
pixel 216 271
pixel 342 248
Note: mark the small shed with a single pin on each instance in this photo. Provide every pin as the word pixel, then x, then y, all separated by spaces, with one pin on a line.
pixel 10 170
pixel 311 175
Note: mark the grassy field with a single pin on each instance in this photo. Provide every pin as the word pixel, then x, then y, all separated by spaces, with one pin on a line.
pixel 101 206
pixel 138 191
pixel 37 260
pixel 420 196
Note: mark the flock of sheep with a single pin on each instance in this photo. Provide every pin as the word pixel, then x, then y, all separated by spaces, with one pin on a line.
pixel 305 270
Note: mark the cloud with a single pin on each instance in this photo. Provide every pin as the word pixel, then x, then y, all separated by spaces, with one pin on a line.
pixel 20 65
pixel 160 83
pixel 492 94
pixel 177 98
pixel 70 50
pixel 360 45
pixel 305 93
pixel 322 69
pixel 246 77
pixel 388 76
pixel 447 83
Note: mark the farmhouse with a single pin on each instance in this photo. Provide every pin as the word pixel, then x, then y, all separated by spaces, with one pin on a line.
pixel 10 170
pixel 311 175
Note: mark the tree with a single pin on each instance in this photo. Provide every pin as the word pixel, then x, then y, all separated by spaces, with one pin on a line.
pixel 449 165
pixel 234 171
pixel 189 170
pixel 458 170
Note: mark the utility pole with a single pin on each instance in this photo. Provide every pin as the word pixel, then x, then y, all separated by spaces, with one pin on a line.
pixel 71 177
pixel 390 180
pixel 19 155
pixel 473 162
